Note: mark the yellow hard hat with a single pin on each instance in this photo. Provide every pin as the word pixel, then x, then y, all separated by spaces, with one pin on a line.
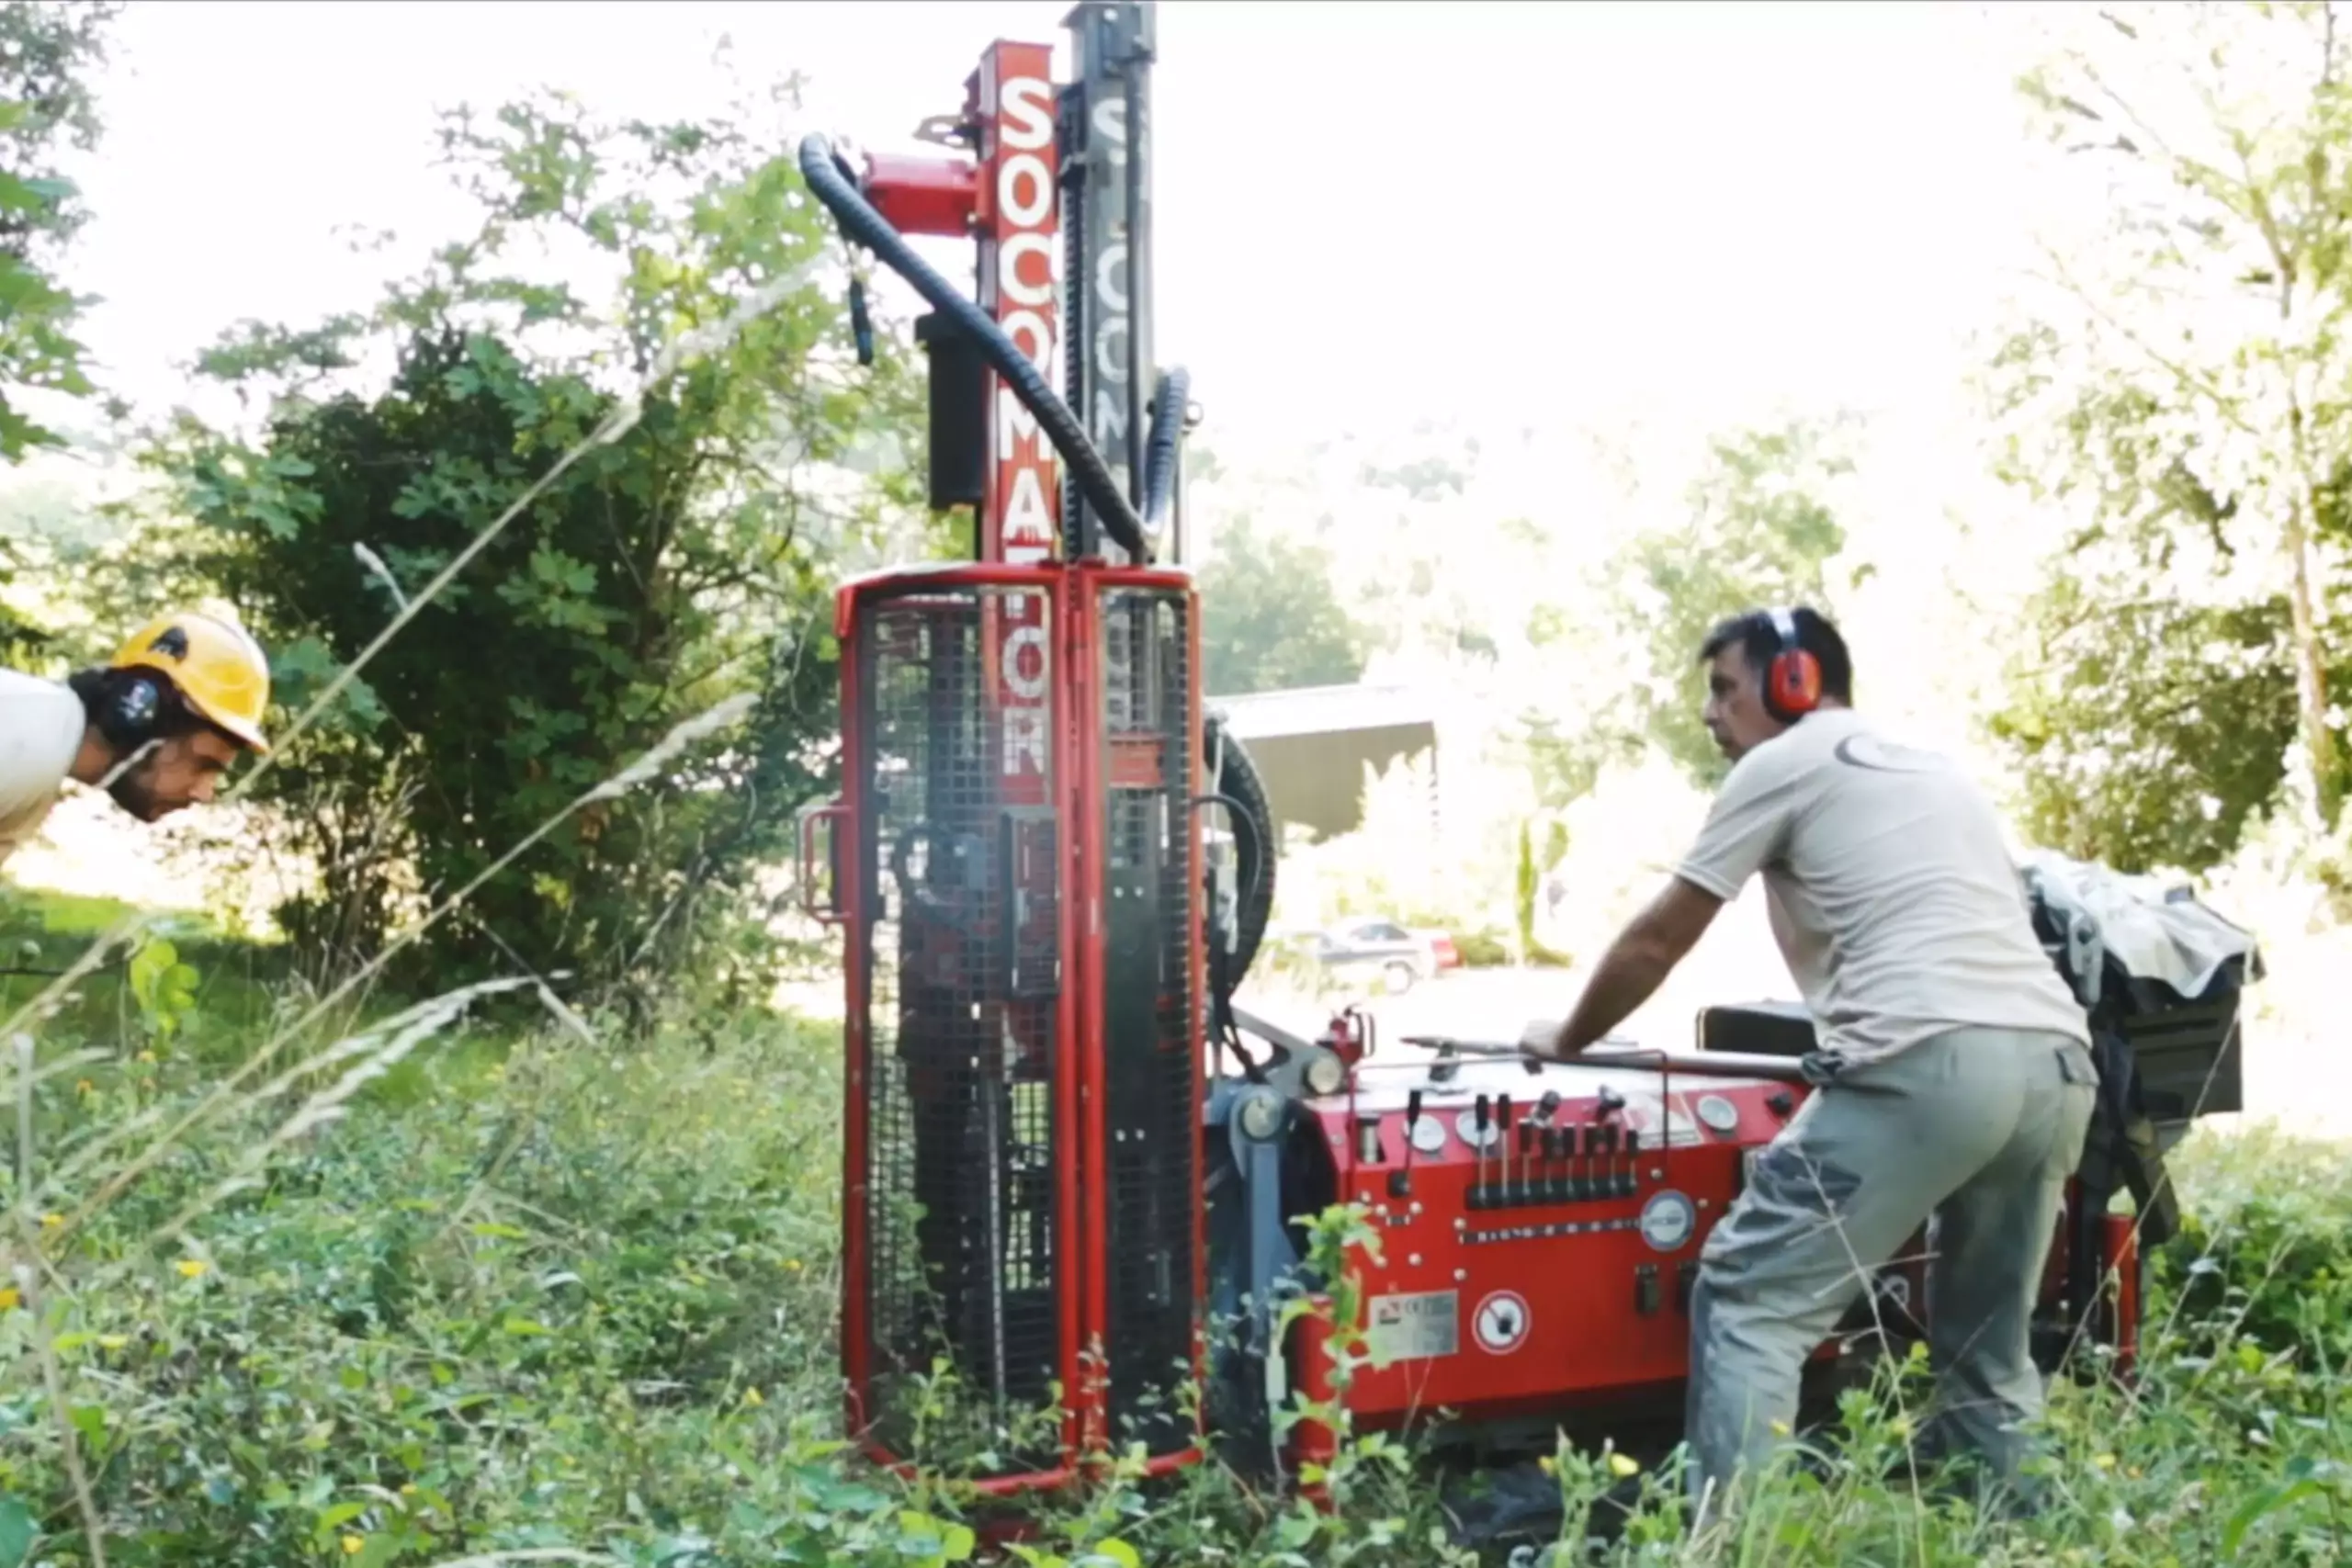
pixel 219 669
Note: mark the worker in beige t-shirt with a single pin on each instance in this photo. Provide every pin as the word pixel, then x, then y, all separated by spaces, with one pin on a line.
pixel 1954 1072
pixel 156 727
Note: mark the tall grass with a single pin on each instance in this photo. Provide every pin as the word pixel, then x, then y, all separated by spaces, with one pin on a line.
pixel 550 1292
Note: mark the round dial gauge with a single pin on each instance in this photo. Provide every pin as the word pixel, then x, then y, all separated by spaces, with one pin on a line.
pixel 1467 1125
pixel 1325 1074
pixel 1668 1220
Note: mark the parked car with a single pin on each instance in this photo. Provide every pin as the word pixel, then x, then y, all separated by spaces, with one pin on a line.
pixel 1404 957
pixel 1441 944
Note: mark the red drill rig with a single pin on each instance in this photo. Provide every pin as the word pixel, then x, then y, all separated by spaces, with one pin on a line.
pixel 1071 1185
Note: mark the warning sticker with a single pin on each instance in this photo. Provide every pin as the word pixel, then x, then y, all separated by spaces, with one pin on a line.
pixel 1414 1327
pixel 1501 1322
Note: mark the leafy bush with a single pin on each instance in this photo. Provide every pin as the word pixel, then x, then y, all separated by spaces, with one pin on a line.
pixel 644 535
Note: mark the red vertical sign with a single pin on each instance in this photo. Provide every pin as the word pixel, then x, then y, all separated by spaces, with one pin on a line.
pixel 1019 213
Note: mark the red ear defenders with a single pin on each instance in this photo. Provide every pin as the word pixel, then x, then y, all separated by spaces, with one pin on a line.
pixel 1793 680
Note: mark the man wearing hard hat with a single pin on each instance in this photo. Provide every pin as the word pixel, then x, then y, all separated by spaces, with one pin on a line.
pixel 156 727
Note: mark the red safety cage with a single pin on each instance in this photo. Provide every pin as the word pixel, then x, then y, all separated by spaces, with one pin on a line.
pixel 1022 1142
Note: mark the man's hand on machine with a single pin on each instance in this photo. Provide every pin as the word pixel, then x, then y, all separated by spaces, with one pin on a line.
pixel 1649 947
pixel 1547 1039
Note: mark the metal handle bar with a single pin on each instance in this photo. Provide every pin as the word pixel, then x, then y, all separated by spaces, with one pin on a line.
pixel 1709 1063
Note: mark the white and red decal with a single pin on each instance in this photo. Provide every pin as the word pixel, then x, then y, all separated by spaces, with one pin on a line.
pixel 1019 519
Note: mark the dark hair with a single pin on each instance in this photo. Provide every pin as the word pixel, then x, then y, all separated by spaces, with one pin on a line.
pixel 1755 633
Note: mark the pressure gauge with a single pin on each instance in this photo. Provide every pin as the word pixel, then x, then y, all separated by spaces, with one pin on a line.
pixel 1467 1125
pixel 1718 1113
pixel 1428 1135
pixel 1668 1220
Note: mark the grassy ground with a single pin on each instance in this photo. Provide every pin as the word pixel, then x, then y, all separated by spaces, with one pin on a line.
pixel 572 1299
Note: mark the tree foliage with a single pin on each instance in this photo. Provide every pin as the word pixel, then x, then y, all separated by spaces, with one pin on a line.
pixel 1761 528
pixel 47 52
pixel 2179 390
pixel 662 569
pixel 1269 617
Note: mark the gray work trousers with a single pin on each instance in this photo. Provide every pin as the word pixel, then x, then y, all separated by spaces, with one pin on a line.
pixel 1979 1128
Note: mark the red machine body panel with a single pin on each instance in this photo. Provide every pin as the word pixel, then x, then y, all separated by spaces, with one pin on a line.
pixel 1548 1270
pixel 1546 1266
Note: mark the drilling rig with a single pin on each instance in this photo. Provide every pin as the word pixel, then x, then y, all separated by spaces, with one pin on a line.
pixel 1078 1179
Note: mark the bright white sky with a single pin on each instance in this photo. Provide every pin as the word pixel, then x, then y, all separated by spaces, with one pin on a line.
pixel 1505 215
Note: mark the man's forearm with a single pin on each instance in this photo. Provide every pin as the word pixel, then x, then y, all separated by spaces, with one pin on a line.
pixel 1628 973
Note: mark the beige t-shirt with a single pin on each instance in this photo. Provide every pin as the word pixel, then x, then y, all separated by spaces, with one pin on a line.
pixel 42 724
pixel 1891 892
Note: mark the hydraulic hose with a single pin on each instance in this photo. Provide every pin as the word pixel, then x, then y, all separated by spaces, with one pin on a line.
pixel 821 169
pixel 1160 457
pixel 1238 782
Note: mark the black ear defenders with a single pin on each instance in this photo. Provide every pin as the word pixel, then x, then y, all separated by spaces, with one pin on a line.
pixel 132 710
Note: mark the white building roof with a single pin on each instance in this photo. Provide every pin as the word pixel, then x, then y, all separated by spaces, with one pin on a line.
pixel 1325 710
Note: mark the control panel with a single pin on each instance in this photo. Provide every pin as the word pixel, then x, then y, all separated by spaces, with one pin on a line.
pixel 1539 1231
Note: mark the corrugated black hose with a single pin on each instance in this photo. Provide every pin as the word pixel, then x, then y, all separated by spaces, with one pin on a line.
pixel 858 219
pixel 1241 790
pixel 1159 456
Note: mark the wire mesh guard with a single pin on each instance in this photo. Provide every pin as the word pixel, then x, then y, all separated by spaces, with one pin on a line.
pixel 961 942
pixel 1151 1081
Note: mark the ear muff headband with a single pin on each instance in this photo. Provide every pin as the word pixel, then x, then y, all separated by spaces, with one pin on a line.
pixel 1793 680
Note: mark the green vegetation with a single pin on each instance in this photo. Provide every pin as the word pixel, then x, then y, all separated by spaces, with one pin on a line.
pixel 2176 393
pixel 489 1210
pixel 1269 619
pixel 46 53
pixel 566 1290
pixel 613 538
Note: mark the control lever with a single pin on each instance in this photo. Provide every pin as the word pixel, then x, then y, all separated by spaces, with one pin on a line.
pixel 1632 1179
pixel 1478 1113
pixel 1600 1142
pixel 1400 1182
pixel 1502 1151
pixel 1558 1143
pixel 1541 1128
